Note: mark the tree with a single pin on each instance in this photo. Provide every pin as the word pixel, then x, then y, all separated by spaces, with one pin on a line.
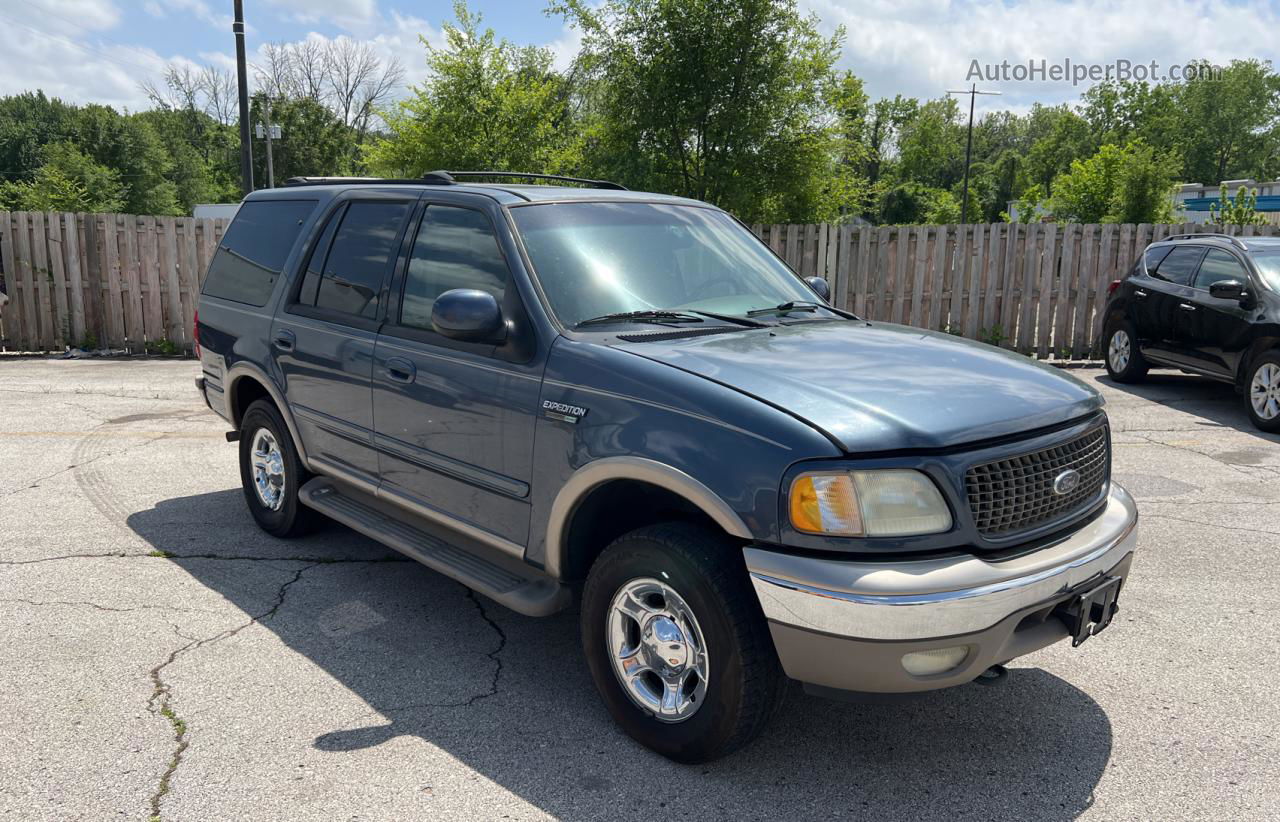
pixel 1240 211
pixel 484 104
pixel 720 100
pixel 313 142
pixel 1227 124
pixel 67 181
pixel 931 145
pixel 1131 184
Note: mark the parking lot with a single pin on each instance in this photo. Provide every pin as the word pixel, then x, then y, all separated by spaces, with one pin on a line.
pixel 160 656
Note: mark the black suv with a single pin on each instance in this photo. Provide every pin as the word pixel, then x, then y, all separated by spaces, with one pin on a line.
pixel 558 394
pixel 1207 304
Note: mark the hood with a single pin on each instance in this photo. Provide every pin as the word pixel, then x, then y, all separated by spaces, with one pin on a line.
pixel 881 387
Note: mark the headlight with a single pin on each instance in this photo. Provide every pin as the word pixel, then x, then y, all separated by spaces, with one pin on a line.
pixel 893 502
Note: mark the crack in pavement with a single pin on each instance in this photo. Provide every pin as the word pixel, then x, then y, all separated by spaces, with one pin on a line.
pixel 96 606
pixel 225 557
pixel 160 702
pixel 36 482
pixel 1213 525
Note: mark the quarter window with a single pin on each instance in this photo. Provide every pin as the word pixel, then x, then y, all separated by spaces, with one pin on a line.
pixel 349 278
pixel 253 252
pixel 1219 266
pixel 455 248
pixel 1179 265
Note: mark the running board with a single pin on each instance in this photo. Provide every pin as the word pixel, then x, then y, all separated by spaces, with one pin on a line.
pixel 525 591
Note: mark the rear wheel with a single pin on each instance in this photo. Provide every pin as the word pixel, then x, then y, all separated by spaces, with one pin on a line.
pixel 1124 361
pixel 1262 392
pixel 677 644
pixel 271 472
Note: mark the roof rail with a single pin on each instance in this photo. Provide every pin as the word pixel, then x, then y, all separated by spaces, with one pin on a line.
pixel 1236 241
pixel 457 175
pixel 430 178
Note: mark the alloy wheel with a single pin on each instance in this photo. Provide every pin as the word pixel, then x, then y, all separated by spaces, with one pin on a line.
pixel 657 649
pixel 268 469
pixel 1119 351
pixel 1264 391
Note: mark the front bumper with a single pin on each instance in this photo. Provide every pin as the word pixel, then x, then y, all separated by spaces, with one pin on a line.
pixel 847 625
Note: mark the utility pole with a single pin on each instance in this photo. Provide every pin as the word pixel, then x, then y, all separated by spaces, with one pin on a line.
pixel 271 172
pixel 242 76
pixel 973 92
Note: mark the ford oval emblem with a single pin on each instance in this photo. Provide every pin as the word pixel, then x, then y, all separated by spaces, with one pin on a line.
pixel 1066 482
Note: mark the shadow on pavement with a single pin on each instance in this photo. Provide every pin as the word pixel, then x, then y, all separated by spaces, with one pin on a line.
pixel 510 698
pixel 1218 403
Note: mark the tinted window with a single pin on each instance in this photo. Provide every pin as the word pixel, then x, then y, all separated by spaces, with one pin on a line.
pixel 1218 266
pixel 1153 256
pixel 252 253
pixel 315 265
pixel 356 265
pixel 1179 265
pixel 455 248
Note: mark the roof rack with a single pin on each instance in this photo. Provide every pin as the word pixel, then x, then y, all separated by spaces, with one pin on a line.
pixel 1236 241
pixel 445 178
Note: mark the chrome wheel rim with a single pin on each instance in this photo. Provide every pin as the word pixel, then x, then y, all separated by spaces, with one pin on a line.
pixel 657 650
pixel 1264 391
pixel 268 469
pixel 1119 351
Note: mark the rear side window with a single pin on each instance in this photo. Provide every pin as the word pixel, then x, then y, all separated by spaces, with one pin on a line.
pixel 349 279
pixel 1219 266
pixel 1178 266
pixel 455 248
pixel 253 251
pixel 1153 256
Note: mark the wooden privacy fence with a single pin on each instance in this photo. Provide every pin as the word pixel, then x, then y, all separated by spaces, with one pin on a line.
pixel 1038 288
pixel 125 281
pixel 109 280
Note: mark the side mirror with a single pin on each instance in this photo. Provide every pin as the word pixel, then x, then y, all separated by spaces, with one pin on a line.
pixel 1229 290
pixel 468 314
pixel 819 285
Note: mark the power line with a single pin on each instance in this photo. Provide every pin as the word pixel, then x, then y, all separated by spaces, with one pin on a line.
pixel 82 46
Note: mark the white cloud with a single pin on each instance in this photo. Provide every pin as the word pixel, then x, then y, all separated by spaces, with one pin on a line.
pixel 199 9
pixel 346 14
pixel 921 48
pixel 84 14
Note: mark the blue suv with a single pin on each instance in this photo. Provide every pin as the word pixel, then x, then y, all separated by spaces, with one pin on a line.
pixel 575 392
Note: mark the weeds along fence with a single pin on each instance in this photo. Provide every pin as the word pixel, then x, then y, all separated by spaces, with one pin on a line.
pixel 127 281
pixel 102 280
pixel 1037 288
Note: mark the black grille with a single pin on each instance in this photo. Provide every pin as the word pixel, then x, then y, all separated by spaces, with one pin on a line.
pixel 1016 494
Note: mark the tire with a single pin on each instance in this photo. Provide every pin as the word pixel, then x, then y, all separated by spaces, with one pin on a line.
pixel 261 426
pixel 1120 352
pixel 1262 391
pixel 743 685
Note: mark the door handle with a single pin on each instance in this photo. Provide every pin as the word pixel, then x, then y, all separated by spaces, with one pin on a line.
pixel 1186 306
pixel 284 339
pixel 1138 292
pixel 399 369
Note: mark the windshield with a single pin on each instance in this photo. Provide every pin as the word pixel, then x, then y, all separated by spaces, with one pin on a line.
pixel 1268 263
pixel 596 259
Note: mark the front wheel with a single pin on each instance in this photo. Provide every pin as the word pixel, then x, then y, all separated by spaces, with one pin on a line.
pixel 1124 361
pixel 677 644
pixel 1262 394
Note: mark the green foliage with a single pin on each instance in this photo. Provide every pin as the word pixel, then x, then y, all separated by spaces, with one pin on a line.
pixel 314 142
pixel 1240 211
pixel 67 180
pixel 909 203
pixel 1131 184
pixel 730 101
pixel 485 103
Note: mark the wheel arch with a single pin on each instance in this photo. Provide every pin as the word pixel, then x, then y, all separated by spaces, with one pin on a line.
pixel 579 523
pixel 1267 340
pixel 246 384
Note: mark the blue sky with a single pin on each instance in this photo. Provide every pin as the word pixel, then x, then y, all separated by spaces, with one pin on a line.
pixel 101 50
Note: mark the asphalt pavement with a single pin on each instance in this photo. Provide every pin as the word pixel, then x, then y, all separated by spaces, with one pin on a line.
pixel 160 656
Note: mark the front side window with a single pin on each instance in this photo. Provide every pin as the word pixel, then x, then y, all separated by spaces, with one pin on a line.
pixel 349 279
pixel 1218 266
pixel 1268 263
pixel 253 252
pixel 596 259
pixel 1178 266
pixel 455 248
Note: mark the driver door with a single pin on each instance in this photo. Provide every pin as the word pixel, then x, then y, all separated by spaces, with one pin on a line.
pixel 1213 332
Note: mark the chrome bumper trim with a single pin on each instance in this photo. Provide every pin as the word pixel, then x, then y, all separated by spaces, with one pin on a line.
pixel 926 599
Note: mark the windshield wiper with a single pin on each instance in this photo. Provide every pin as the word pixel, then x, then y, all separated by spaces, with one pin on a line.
pixel 800 305
pixel 730 318
pixel 649 315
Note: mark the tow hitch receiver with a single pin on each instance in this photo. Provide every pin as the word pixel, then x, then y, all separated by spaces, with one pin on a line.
pixel 1089 613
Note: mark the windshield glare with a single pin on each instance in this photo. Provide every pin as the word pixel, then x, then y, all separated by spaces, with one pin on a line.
pixel 594 259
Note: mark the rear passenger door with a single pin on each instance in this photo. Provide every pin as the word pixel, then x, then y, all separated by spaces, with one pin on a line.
pixel 455 420
pixel 1157 300
pixel 323 340
pixel 1214 331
